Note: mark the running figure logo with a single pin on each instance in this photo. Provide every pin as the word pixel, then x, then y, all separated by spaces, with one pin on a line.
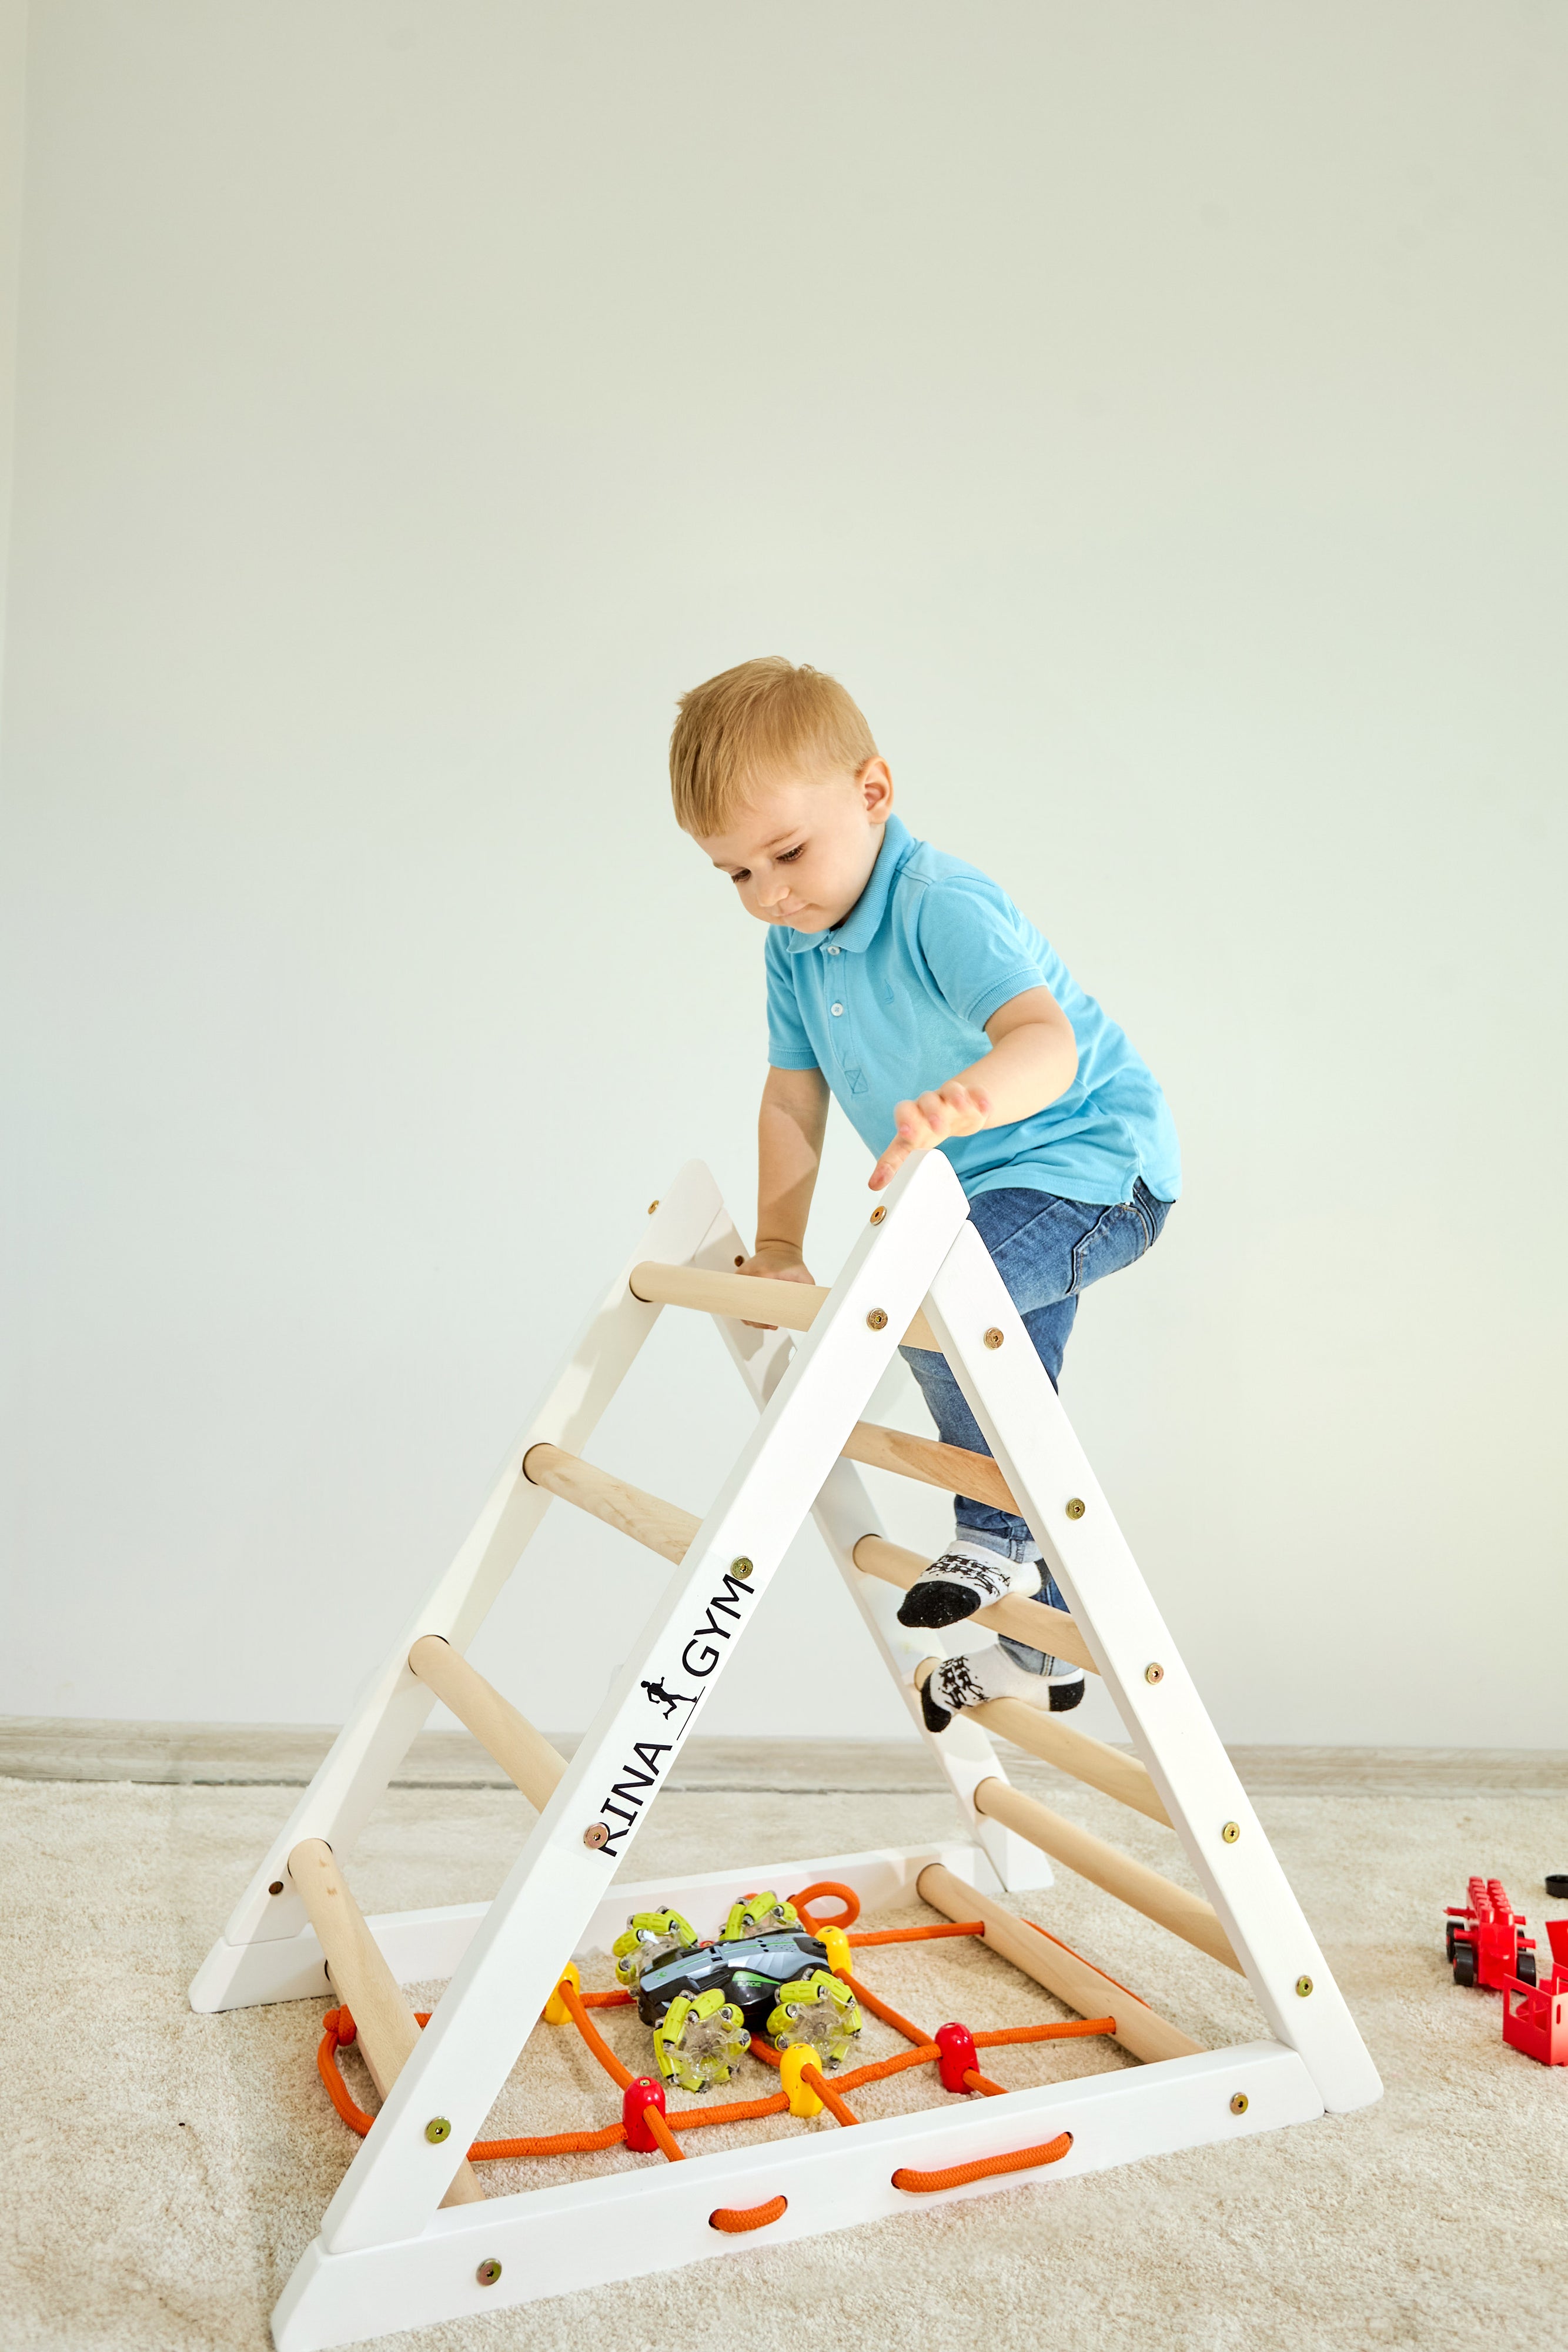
pixel 669 1700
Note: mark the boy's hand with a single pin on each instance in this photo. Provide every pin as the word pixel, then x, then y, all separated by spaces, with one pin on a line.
pixel 952 1110
pixel 776 1262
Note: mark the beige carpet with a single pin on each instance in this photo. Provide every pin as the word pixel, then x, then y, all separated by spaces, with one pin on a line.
pixel 166 2170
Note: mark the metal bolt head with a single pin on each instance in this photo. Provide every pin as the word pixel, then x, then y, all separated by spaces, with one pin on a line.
pixel 488 2272
pixel 876 1320
pixel 597 1833
pixel 652 1206
pixel 1304 1987
pixel 740 1261
pixel 877 1214
pixel 1076 1507
pixel 277 1886
pixel 741 1568
pixel 994 1338
pixel 1231 1833
pixel 1154 1672
pixel 438 2129
pixel 1239 2104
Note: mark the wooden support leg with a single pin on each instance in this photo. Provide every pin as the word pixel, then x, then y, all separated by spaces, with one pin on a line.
pixel 1169 1906
pixel 520 1750
pixel 383 2020
pixel 1139 2028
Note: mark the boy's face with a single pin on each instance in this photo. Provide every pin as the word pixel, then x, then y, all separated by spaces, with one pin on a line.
pixel 801 850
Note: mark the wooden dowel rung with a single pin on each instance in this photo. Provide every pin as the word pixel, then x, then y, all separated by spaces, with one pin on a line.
pixel 1140 2030
pixel 384 2023
pixel 1055 1742
pixel 952 1467
pixel 1051 1630
pixel 747 1298
pixel 1169 1906
pixel 523 1753
pixel 662 1526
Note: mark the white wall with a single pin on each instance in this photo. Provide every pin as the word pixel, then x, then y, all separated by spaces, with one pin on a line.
pixel 1154 414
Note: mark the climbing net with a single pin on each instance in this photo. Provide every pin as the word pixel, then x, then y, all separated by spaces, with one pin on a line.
pixel 647 2128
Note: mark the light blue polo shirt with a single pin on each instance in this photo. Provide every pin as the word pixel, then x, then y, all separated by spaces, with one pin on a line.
pixel 896 999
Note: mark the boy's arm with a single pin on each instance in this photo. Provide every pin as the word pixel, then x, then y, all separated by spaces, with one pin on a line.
pixel 1033 1058
pixel 790 1130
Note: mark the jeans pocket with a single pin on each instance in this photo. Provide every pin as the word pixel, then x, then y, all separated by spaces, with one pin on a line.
pixel 1119 1236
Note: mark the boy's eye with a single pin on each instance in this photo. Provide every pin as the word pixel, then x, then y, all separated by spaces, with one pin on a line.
pixel 790 855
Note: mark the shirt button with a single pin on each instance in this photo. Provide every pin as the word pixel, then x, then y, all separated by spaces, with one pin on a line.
pixel 835 1008
pixel 832 951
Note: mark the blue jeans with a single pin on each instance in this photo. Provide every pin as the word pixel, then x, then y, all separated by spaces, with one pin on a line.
pixel 1048 1251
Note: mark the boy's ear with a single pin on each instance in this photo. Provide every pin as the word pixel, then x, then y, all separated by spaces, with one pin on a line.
pixel 875 781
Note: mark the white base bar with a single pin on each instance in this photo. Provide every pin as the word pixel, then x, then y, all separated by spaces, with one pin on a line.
pixel 420 1946
pixel 628 2225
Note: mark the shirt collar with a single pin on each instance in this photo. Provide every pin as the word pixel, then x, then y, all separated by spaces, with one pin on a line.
pixel 862 922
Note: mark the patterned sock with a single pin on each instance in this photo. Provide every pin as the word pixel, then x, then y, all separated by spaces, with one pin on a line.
pixel 967 1576
pixel 989 1674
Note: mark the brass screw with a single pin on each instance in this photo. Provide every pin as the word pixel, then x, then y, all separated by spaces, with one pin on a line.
pixel 438 2129
pixel 741 1568
pixel 277 1886
pixel 877 1214
pixel 597 1833
pixel 994 1338
pixel 652 1206
pixel 1239 2104
pixel 1076 1508
pixel 488 2272
pixel 1231 1833
pixel 1155 1673
pixel 1303 1986
pixel 876 1320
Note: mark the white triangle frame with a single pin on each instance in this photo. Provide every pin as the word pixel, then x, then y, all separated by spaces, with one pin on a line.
pixel 386 2257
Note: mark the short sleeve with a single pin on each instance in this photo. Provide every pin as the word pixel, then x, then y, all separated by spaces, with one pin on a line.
pixel 977 948
pixel 789 1048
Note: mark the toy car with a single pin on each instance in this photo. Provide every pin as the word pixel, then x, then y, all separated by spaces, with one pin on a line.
pixel 1487 1944
pixel 705 2002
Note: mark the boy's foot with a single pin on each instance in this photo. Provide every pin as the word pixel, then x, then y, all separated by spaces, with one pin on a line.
pixel 968 1577
pixel 958 1683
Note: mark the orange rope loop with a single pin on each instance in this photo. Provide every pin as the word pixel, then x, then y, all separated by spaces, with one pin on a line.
pixel 959 2176
pixel 733 2219
pixel 812 1894
pixel 888 2016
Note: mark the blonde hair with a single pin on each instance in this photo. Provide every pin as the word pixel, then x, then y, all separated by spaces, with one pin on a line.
pixel 765 715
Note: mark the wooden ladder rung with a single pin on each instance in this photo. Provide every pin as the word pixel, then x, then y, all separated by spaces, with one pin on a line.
pixel 1169 1906
pixel 1140 2030
pixel 747 1298
pixel 524 1754
pixel 1046 1735
pixel 1051 1630
pixel 383 2021
pixel 664 1526
pixel 952 1467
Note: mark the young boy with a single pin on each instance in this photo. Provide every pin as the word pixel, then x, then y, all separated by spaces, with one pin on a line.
pixel 910 986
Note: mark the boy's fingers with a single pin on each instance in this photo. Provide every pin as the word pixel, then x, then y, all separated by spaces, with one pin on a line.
pixel 887 1167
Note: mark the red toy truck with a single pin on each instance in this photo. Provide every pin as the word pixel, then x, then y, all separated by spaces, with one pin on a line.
pixel 1486 1942
pixel 1535 2016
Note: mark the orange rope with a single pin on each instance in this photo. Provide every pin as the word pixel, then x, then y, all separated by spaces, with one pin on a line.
pixel 959 2176
pixel 591 2035
pixel 919 1934
pixel 883 2067
pixel 735 2218
pixel 1074 2030
pixel 835 2106
pixel 482 2151
pixel 663 2134
pixel 739 2111
pixel 846 1896
pixel 888 2016
pixel 984 2083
